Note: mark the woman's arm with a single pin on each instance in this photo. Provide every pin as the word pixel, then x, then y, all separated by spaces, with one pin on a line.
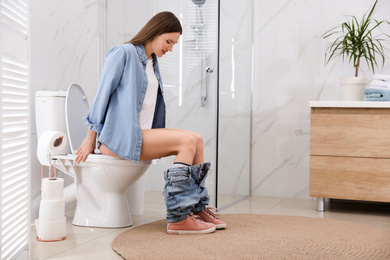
pixel 109 81
pixel 110 78
pixel 88 146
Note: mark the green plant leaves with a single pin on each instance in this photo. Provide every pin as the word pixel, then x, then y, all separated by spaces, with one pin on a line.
pixel 355 40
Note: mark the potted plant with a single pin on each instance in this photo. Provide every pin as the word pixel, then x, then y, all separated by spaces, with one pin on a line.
pixel 356 41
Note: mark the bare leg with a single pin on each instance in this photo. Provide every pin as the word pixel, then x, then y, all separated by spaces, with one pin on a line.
pixel 199 155
pixel 186 145
pixel 162 142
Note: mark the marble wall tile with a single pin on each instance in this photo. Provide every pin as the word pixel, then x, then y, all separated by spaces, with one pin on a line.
pixel 64 44
pixel 125 19
pixel 289 72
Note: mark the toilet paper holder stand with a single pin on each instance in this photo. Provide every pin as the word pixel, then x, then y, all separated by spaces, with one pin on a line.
pixel 50 166
pixel 50 178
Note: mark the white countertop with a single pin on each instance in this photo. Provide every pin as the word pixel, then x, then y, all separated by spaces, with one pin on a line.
pixel 357 104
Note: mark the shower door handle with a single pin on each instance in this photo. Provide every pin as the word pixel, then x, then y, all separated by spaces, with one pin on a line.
pixel 204 87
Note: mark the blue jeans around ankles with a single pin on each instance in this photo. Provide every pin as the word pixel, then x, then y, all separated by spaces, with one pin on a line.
pixel 204 196
pixel 185 191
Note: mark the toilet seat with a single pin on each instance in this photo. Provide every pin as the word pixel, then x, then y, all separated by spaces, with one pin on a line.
pixel 103 159
pixel 76 106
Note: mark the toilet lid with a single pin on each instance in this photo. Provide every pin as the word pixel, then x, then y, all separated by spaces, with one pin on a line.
pixel 76 107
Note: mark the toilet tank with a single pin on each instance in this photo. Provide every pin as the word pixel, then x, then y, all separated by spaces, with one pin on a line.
pixel 50 112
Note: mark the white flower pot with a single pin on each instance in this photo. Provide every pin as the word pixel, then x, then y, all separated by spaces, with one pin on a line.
pixel 353 88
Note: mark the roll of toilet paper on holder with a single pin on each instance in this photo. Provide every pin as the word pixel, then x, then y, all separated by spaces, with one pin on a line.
pixel 51 230
pixel 51 209
pixel 53 142
pixel 52 189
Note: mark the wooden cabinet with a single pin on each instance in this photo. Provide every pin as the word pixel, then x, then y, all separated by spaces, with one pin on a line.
pixel 350 151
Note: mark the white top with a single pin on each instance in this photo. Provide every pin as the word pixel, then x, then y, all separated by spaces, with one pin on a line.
pixel 352 104
pixel 149 104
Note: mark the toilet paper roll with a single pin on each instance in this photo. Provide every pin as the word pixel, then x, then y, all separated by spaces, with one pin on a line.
pixel 51 209
pixel 52 189
pixel 53 142
pixel 51 229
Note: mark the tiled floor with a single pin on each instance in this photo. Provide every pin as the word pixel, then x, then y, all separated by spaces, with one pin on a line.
pixel 95 243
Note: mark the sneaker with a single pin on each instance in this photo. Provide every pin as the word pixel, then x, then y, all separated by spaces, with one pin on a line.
pixel 191 225
pixel 208 215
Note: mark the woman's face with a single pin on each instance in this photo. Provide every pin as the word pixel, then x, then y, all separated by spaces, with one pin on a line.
pixel 163 43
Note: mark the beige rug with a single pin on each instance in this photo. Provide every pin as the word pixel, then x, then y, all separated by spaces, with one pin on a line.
pixel 259 237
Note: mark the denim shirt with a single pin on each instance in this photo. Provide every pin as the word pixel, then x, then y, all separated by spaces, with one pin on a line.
pixel 115 112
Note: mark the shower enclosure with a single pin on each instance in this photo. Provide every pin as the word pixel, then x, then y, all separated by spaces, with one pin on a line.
pixel 207 83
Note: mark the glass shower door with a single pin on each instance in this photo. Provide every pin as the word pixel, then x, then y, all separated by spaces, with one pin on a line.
pixel 234 116
pixel 190 82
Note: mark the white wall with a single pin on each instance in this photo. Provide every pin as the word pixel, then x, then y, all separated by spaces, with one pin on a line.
pixel 289 72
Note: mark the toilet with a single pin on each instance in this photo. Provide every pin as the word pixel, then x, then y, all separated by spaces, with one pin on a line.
pixel 106 187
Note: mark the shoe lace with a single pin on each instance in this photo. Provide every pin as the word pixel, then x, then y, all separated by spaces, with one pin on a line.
pixel 196 218
pixel 212 212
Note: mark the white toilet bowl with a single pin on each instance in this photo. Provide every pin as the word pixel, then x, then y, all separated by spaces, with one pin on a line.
pixel 101 181
pixel 101 184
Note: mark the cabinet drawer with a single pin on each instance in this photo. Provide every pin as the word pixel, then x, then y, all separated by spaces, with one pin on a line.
pixel 356 132
pixel 350 178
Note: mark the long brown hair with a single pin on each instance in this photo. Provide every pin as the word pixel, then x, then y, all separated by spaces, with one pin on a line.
pixel 164 22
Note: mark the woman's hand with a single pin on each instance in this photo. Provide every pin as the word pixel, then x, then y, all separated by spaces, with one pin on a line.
pixel 87 147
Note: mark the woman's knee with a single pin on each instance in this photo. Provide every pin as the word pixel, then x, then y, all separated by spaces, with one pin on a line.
pixel 193 141
pixel 189 142
pixel 199 141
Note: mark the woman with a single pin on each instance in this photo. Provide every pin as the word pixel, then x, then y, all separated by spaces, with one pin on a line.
pixel 127 118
